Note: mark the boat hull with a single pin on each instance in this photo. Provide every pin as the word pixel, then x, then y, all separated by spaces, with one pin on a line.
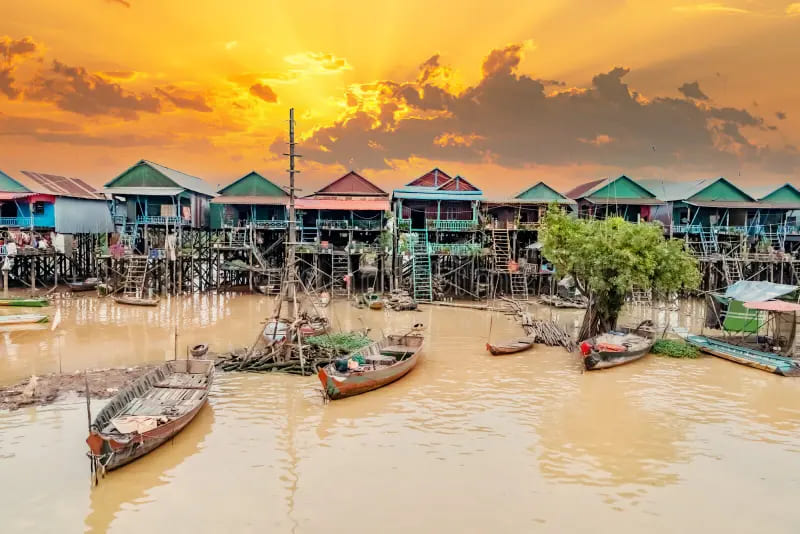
pixel 80 287
pixel 359 383
pixel 605 360
pixel 771 363
pixel 23 319
pixel 25 303
pixel 509 347
pixel 136 302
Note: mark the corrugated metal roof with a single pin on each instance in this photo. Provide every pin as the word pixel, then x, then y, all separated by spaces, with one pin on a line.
pixel 10 185
pixel 527 201
pixel 726 204
pixel 773 306
pixel 82 216
pixel 583 189
pixel 671 191
pixel 187 181
pixel 253 184
pixel 757 291
pixel 625 201
pixel 144 191
pixel 60 186
pixel 260 200
pixel 4 195
pixel 353 184
pixel 426 193
pixel 342 203
pixel 433 178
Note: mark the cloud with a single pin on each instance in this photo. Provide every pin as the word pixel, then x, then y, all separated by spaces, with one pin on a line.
pixel 317 63
pixel 781 115
pixel 264 92
pixel 508 118
pixel 12 52
pixel 793 9
pixel 120 2
pixel 183 99
pixel 709 7
pixel 77 90
pixel 692 90
pixel 126 75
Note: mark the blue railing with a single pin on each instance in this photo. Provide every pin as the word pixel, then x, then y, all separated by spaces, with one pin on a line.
pixel 15 221
pixel 158 219
pixel 452 225
pixel 455 249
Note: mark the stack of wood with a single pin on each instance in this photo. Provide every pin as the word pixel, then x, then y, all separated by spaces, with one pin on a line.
pixel 400 300
pixel 284 358
pixel 547 332
pixel 438 285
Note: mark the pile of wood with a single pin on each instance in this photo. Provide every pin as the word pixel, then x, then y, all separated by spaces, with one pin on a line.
pixel 284 358
pixel 547 332
pixel 400 300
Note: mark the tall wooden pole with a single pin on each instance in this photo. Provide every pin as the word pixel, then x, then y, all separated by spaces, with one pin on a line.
pixel 290 251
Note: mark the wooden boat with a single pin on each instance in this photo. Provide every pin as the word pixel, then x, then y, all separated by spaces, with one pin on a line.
pixel 766 361
pixel 511 346
pixel 384 362
pixel 615 348
pixel 136 301
pixel 22 302
pixel 87 285
pixel 314 327
pixel 149 412
pixel 27 318
pixel 198 351
pixel 372 300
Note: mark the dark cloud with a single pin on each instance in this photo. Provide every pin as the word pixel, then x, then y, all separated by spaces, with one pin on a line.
pixel 12 51
pixel 509 119
pixel 183 99
pixel 781 115
pixel 692 90
pixel 264 92
pixel 50 131
pixel 77 90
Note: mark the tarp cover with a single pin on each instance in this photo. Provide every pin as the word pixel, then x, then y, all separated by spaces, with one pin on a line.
pixel 773 306
pixel 82 216
pixel 750 291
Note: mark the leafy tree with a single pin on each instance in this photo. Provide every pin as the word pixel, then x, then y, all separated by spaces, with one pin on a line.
pixel 608 258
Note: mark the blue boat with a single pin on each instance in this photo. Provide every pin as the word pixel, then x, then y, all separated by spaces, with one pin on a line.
pixel 766 361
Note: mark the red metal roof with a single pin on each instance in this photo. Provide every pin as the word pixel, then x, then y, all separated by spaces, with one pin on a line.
pixel 458 184
pixel 250 199
pixel 773 306
pixel 352 183
pixel 342 203
pixel 434 178
pixel 11 196
pixel 51 184
pixel 578 191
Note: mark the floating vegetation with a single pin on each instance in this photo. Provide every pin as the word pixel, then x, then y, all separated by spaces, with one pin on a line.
pixel 675 349
pixel 340 342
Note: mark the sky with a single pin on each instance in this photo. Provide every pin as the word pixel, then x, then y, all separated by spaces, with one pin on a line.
pixel 504 93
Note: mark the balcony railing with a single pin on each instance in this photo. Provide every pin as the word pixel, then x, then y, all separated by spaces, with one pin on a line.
pixel 367 224
pixel 455 249
pixel 270 224
pixel 451 225
pixel 158 219
pixel 15 221
pixel 335 224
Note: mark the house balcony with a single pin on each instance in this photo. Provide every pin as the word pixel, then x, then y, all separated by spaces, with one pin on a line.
pixel 454 249
pixel 161 220
pixel 263 224
pixel 16 222
pixel 448 225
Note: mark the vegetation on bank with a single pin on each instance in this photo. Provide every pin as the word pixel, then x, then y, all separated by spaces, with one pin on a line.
pixel 609 258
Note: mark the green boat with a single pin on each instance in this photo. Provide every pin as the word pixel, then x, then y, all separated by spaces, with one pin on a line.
pixel 34 302
pixel 766 361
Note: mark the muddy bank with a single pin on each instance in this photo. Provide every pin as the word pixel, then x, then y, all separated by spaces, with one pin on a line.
pixel 41 390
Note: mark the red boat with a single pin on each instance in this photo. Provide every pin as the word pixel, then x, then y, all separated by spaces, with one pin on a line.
pixel 149 412
pixel 374 366
pixel 511 346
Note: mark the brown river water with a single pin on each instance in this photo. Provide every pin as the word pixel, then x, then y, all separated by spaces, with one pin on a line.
pixel 467 442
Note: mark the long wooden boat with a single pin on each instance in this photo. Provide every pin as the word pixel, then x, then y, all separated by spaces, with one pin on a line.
pixel 25 318
pixel 23 302
pixel 611 349
pixel 766 361
pixel 384 362
pixel 136 301
pixel 511 346
pixel 149 412
pixel 86 285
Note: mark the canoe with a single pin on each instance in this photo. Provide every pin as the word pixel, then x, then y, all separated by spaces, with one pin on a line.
pixel 384 361
pixel 621 346
pixel 198 351
pixel 765 361
pixel 149 412
pixel 32 302
pixel 87 285
pixel 134 301
pixel 27 318
pixel 511 346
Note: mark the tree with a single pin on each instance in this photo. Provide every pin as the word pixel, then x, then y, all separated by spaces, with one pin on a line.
pixel 608 258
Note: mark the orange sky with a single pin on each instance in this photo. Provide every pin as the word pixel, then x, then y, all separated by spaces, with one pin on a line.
pixel 505 95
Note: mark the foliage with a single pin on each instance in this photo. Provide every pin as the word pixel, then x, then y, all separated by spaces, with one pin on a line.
pixel 675 349
pixel 608 258
pixel 344 342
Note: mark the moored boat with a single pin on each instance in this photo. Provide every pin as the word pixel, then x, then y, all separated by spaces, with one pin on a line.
pixel 766 361
pixel 25 318
pixel 198 351
pixel 23 302
pixel 86 285
pixel 149 412
pixel 618 347
pixel 511 346
pixel 374 366
pixel 136 301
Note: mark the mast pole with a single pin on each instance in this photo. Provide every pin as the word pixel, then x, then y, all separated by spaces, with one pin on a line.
pixel 291 250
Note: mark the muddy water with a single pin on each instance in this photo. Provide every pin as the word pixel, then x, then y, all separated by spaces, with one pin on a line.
pixel 465 443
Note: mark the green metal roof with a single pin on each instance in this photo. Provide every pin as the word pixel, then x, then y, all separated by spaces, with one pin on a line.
pixel 253 184
pixel 10 185
pixel 148 174
pixel 620 188
pixel 703 190
pixel 542 192
pixel 786 193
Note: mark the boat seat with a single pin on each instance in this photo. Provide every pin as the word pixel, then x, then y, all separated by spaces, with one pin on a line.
pixel 381 359
pixel 397 350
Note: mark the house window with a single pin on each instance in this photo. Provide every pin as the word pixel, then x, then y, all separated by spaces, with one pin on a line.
pixel 38 208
